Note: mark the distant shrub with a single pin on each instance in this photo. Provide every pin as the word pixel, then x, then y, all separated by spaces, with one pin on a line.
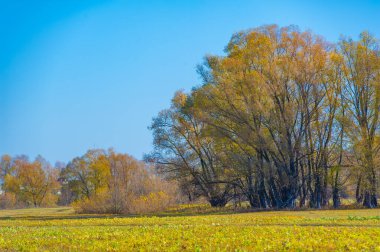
pixel 7 200
pixel 107 182
pixel 153 202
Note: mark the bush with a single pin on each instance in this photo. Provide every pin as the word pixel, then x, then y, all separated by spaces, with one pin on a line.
pixel 153 202
pixel 104 202
pixel 96 204
pixel 7 200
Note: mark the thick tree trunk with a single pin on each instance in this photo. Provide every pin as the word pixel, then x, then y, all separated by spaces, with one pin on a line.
pixel 317 197
pixel 303 189
pixel 289 197
pixel 262 196
pixel 336 198
pixel 370 197
pixel 370 200
pixel 218 201
pixel 324 200
pixel 358 194
pixel 253 201
pixel 336 191
pixel 274 195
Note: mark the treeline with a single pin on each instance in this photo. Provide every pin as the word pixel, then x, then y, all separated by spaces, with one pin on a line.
pixel 98 182
pixel 283 119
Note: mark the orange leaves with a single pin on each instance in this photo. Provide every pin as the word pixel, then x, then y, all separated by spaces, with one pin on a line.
pixel 31 184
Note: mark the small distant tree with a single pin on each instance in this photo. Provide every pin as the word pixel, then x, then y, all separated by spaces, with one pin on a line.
pixel 87 175
pixel 5 167
pixel 31 184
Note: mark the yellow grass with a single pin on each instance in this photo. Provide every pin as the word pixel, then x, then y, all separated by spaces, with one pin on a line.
pixel 178 229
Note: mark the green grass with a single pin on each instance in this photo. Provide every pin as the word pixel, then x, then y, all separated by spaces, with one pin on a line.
pixel 191 228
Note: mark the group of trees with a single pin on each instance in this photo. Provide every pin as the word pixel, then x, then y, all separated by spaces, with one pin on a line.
pixel 284 118
pixel 108 182
pixel 98 182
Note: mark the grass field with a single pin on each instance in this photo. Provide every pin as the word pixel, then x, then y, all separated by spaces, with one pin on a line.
pixel 191 229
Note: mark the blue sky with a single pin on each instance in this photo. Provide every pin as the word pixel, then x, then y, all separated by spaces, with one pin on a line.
pixel 87 74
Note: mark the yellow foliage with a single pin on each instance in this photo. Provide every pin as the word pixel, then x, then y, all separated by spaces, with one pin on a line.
pixel 153 202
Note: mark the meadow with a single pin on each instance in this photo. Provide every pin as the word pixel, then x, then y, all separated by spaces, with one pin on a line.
pixel 190 228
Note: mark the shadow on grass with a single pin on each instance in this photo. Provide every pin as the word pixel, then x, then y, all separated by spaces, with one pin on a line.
pixel 196 210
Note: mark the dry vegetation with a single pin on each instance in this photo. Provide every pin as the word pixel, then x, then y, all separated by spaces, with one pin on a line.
pixel 60 229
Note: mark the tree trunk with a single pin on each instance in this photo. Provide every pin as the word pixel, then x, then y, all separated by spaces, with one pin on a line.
pixel 358 194
pixel 369 200
pixel 262 195
pixel 336 191
pixel 218 201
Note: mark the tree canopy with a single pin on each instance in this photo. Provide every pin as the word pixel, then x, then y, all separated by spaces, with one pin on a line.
pixel 284 117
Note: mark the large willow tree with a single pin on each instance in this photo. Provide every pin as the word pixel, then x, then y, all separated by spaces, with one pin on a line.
pixel 285 116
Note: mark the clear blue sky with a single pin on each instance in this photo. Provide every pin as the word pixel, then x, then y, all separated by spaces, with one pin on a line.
pixel 91 74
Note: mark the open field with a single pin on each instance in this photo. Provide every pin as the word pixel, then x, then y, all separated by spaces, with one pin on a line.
pixel 61 229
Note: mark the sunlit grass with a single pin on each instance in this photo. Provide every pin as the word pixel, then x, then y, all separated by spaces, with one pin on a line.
pixel 61 229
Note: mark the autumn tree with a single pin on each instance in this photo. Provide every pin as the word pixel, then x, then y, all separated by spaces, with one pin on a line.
pixel 87 175
pixel 108 182
pixel 362 97
pixel 6 167
pixel 32 184
pixel 183 151
pixel 265 96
